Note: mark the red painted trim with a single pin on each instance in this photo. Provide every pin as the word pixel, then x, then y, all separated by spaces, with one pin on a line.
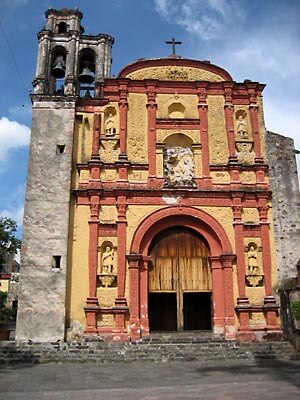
pixel 188 124
pixel 255 130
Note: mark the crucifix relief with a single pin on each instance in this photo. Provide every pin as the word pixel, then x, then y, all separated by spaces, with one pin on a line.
pixel 173 42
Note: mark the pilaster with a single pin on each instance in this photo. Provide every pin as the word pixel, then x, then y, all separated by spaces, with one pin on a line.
pixel 151 110
pixel 134 295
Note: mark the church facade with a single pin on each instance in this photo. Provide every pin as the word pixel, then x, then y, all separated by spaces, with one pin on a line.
pixel 148 203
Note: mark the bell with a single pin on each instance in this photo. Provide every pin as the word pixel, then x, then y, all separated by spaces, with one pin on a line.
pixel 59 67
pixel 86 75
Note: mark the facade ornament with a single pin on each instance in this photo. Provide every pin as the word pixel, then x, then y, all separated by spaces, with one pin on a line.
pixel 179 166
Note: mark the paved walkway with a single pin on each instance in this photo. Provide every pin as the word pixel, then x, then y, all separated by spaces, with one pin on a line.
pixel 243 380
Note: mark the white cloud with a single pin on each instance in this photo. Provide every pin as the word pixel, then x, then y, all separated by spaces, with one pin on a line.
pixel 13 136
pixel 15 214
pixel 283 117
pixel 203 18
pixel 270 52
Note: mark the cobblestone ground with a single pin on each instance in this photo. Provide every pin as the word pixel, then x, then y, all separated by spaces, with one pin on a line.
pixel 240 380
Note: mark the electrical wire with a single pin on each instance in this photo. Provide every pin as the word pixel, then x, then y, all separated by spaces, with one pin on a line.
pixel 13 57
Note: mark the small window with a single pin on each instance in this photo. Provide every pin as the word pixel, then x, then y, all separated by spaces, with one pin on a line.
pixel 60 148
pixel 56 261
pixel 62 27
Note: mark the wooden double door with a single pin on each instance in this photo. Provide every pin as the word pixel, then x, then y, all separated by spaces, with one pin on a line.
pixel 179 282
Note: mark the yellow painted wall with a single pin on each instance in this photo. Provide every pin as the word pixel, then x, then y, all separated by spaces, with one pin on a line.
pixel 218 144
pixel 137 141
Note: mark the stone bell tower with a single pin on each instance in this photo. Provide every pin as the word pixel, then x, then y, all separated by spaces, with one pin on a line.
pixel 68 59
pixel 69 65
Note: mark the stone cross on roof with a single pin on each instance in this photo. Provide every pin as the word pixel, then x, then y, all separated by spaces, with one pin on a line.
pixel 173 42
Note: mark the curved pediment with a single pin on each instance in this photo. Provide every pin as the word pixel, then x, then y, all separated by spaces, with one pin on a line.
pixel 175 69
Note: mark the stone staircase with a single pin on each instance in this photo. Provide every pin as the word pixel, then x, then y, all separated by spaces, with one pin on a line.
pixel 159 347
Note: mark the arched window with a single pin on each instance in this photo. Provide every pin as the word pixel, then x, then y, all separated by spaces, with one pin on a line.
pixel 58 70
pixel 62 27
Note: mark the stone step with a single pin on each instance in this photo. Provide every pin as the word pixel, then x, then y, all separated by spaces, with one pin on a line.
pixel 152 350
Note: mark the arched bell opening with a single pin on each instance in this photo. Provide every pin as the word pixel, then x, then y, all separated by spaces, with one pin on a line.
pixel 86 73
pixel 62 27
pixel 58 70
pixel 180 282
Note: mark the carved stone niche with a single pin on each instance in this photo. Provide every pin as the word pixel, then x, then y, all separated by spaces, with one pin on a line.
pixel 179 166
pixel 254 275
pixel 107 269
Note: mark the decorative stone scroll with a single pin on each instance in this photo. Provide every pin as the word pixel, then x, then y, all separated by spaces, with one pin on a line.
pixel 254 276
pixel 107 268
pixel 179 166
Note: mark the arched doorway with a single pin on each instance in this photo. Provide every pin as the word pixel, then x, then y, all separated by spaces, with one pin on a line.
pixel 180 283
pixel 221 260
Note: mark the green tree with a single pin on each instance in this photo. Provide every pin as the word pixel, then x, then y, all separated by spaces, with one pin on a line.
pixel 8 241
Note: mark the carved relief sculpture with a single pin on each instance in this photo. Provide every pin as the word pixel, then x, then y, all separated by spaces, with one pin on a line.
pixel 254 277
pixel 179 166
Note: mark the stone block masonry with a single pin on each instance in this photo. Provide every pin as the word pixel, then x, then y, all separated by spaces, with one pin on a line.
pixel 41 313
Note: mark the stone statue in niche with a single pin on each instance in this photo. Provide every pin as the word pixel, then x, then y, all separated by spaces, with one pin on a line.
pixel 254 277
pixel 110 125
pixel 108 260
pixel 241 126
pixel 179 166
pixel 252 256
pixel 107 274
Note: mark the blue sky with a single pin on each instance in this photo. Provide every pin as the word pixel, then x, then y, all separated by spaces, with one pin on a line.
pixel 257 40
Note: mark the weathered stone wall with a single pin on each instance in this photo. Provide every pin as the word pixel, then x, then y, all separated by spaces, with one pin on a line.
pixel 41 314
pixel 286 203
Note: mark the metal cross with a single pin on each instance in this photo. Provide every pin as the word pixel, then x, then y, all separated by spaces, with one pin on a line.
pixel 173 42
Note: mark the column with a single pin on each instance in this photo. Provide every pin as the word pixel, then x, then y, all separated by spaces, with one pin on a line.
pixel 134 295
pixel 151 109
pixel 96 137
pixel 92 305
pixel 123 108
pixel 218 296
pixel 243 306
pixel 143 278
pixel 70 88
pixel 203 110
pixel 253 109
pixel 269 301
pixel 122 163
pixel 230 331
pixel 229 120
pixel 120 300
pixel 95 163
